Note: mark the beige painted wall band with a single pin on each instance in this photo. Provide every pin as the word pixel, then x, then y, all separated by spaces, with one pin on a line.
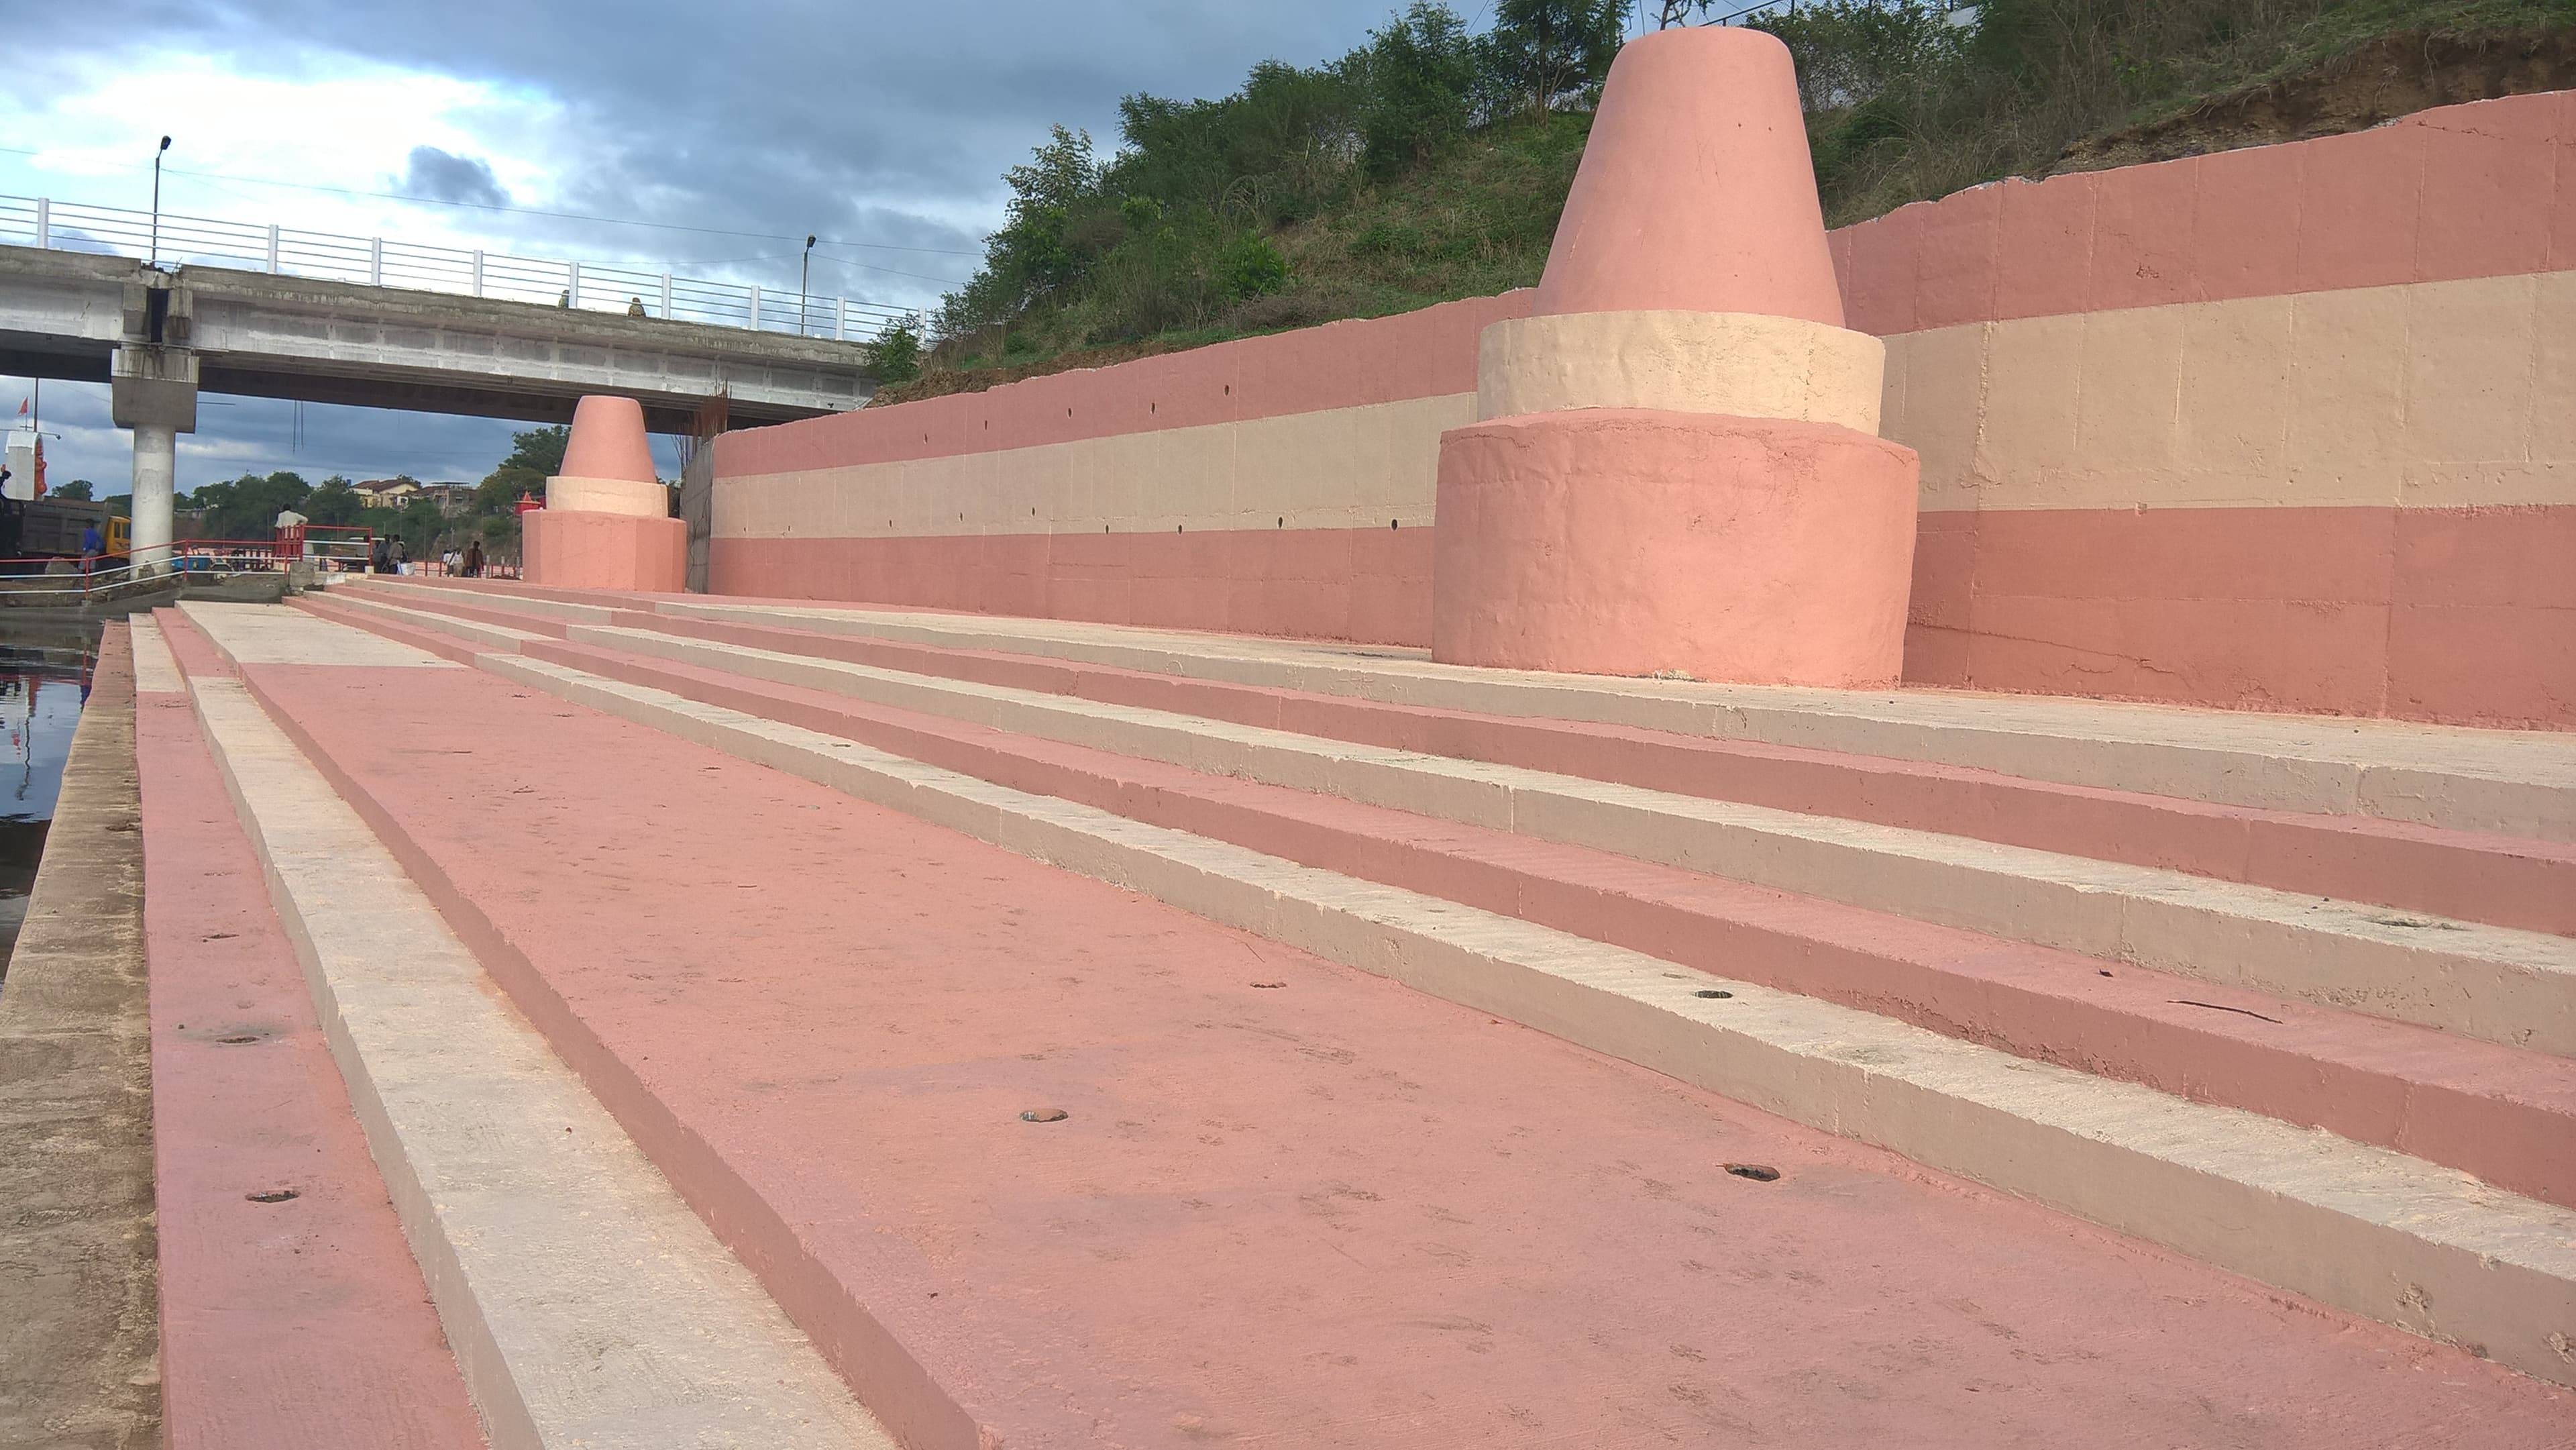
pixel 2426 395
pixel 1737 363
pixel 608 496
pixel 1334 468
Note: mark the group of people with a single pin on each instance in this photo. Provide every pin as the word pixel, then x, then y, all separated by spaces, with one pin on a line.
pixel 390 555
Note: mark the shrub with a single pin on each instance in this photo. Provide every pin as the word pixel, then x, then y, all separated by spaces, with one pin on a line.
pixel 1253 267
pixel 898 351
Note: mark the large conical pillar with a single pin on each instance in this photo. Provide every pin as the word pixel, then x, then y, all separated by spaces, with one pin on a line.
pixel 1678 467
pixel 607 521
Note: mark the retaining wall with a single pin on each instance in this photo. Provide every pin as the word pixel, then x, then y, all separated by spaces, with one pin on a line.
pixel 1278 485
pixel 2285 428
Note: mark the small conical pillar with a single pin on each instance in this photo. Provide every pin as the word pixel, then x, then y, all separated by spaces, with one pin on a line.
pixel 606 523
pixel 1678 467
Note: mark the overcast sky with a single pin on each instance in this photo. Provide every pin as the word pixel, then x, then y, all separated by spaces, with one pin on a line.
pixel 715 136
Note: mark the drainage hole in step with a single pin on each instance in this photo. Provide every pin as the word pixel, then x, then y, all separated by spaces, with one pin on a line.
pixel 1758 1172
pixel 237 1041
pixel 1711 992
pixel 271 1195
pixel 1043 1115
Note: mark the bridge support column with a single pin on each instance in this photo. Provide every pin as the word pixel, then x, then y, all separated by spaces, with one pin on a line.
pixel 156 476
pixel 153 391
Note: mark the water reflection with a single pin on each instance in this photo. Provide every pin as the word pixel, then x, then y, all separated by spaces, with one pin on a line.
pixel 45 672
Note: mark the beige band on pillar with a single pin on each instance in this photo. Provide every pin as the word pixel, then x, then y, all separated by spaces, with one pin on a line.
pixel 608 496
pixel 1737 363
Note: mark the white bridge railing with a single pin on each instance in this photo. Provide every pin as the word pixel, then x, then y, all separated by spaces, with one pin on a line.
pixel 381 262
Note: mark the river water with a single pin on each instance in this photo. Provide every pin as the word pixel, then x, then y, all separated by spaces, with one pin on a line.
pixel 45 668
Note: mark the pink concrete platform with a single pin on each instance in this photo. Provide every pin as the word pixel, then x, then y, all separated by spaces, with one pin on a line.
pixel 2507 1115
pixel 297 1323
pixel 2499 880
pixel 1326 1212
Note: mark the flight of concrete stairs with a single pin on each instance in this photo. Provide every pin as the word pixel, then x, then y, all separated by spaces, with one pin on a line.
pixel 2293 996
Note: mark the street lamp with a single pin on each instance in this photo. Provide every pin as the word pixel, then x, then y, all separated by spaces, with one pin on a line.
pixel 804 271
pixel 156 201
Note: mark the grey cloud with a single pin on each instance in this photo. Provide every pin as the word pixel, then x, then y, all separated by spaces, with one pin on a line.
pixel 879 123
pixel 442 176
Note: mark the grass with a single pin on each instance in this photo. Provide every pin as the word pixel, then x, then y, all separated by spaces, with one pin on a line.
pixel 1478 218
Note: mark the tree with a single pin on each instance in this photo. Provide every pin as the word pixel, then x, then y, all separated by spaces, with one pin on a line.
pixel 420 525
pixel 539 450
pixel 1554 51
pixel 898 351
pixel 333 503
pixel 78 490
pixel 1420 74
pixel 247 507
pixel 535 455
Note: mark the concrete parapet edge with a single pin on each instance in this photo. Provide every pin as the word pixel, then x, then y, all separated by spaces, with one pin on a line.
pixel 79 1345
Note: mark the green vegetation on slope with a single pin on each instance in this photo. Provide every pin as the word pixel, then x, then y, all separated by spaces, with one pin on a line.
pixel 1431 163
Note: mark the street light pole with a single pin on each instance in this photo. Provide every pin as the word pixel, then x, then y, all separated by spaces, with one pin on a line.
pixel 156 201
pixel 804 273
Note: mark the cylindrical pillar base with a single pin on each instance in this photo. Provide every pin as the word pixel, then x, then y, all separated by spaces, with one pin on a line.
pixel 604 551
pixel 1634 541
pixel 156 472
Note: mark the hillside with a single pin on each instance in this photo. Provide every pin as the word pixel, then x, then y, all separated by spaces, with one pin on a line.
pixel 1297 200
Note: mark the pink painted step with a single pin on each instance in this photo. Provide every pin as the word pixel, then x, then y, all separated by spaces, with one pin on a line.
pixel 300 1322
pixel 1323 1209
pixel 2507 1115
pixel 2499 880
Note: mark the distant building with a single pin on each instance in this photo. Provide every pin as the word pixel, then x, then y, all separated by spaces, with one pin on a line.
pixel 385 493
pixel 455 500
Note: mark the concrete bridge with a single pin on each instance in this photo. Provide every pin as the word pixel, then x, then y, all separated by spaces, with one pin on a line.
pixel 158 336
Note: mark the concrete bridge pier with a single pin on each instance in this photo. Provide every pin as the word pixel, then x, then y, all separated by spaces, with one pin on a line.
pixel 156 470
pixel 153 391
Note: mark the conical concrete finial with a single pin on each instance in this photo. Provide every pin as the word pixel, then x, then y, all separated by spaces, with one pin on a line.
pixel 1696 192
pixel 608 442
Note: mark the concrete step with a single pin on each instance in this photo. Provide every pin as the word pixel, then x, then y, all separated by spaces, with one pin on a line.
pixel 2479 781
pixel 2497 880
pixel 585 1303
pixel 2504 1114
pixel 2364 1228
pixel 292 1313
pixel 2500 985
pixel 1293 1201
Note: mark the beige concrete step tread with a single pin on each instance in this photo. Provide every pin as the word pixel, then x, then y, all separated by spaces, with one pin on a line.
pixel 155 672
pixel 1782 715
pixel 2508 782
pixel 477 631
pixel 265 634
pixel 2492 982
pixel 587 1305
pixel 2363 1228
